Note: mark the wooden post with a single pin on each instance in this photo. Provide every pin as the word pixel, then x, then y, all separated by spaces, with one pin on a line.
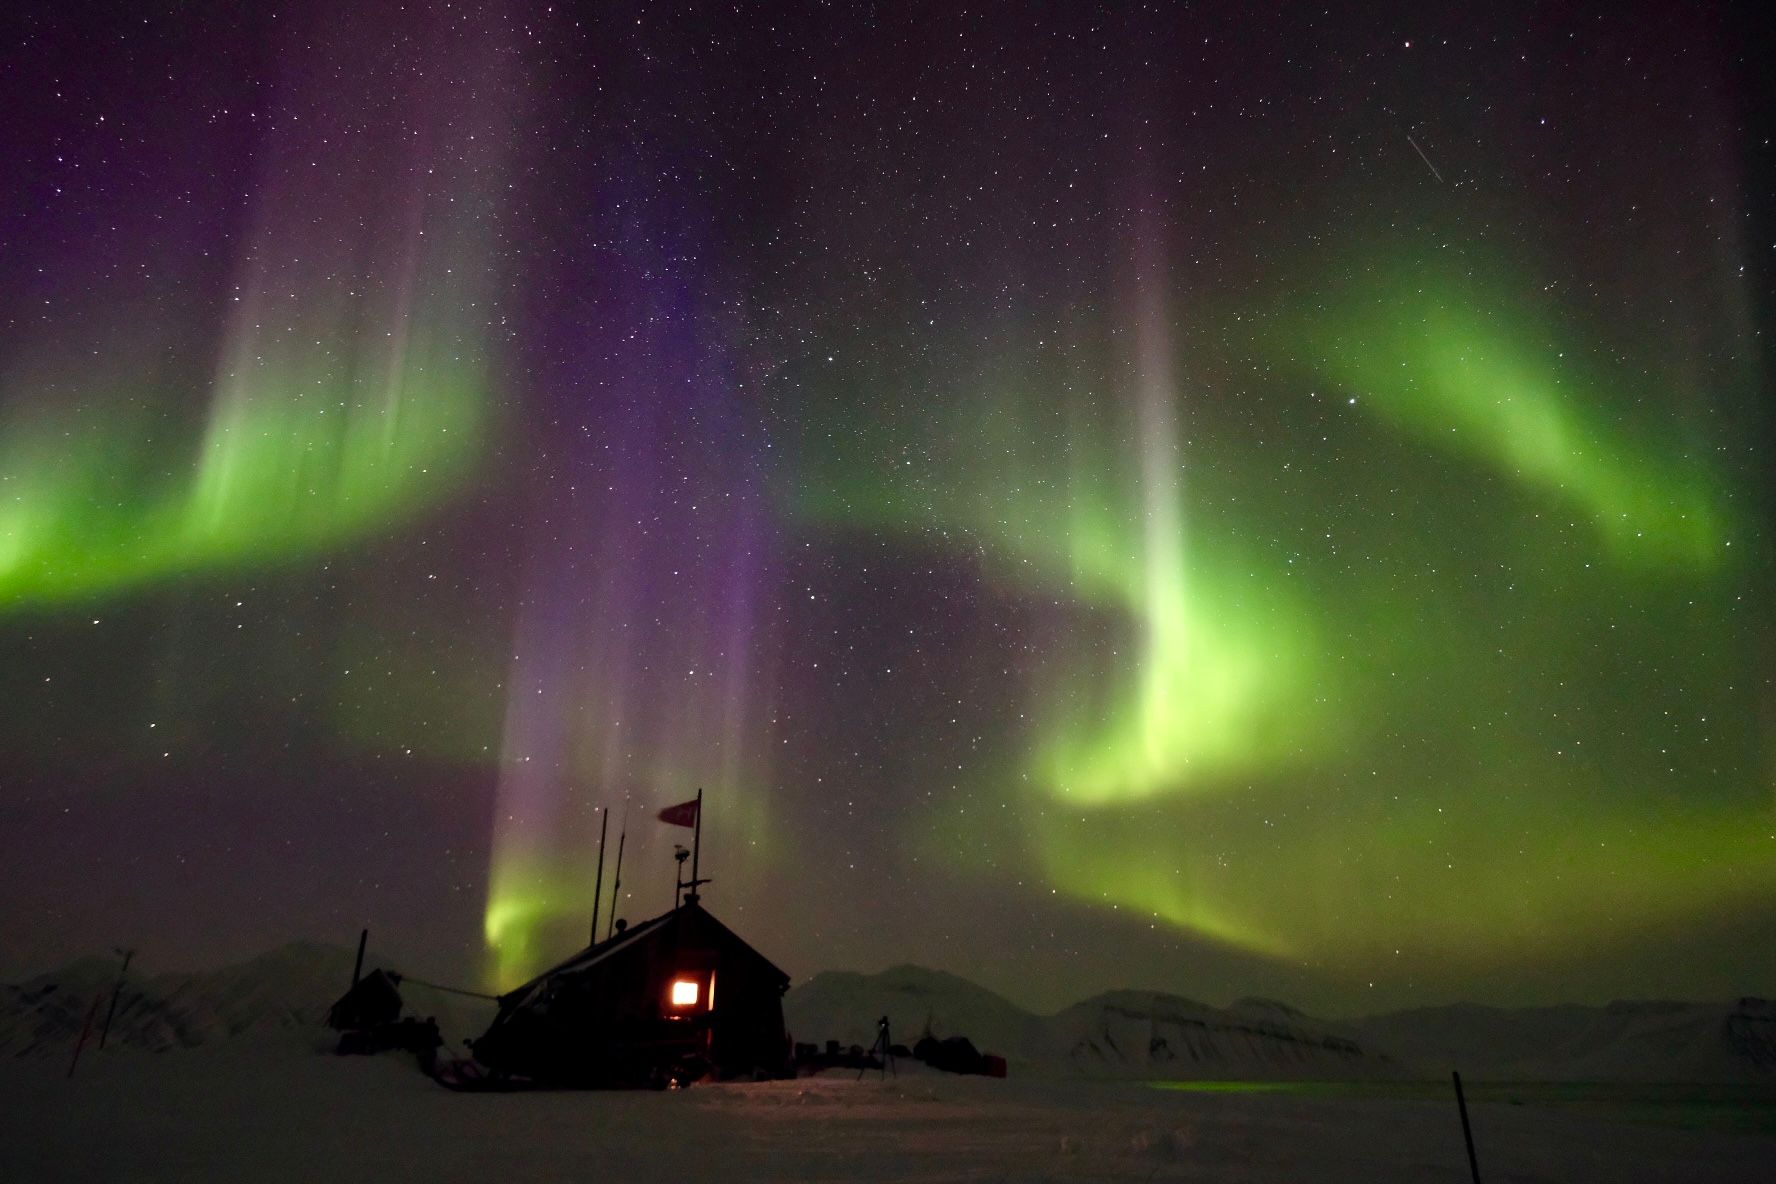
pixel 358 966
pixel 1467 1131
pixel 105 1032
pixel 85 1031
pixel 598 888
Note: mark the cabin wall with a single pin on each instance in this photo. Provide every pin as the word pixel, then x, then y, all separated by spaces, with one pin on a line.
pixel 613 1021
pixel 748 1029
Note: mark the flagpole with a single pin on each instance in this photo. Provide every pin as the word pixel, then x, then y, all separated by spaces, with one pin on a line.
pixel 617 881
pixel 598 889
pixel 697 846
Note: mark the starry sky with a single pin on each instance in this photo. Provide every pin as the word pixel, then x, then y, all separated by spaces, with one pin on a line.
pixel 1219 498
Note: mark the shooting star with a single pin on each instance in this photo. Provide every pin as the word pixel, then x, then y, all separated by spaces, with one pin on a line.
pixel 1426 159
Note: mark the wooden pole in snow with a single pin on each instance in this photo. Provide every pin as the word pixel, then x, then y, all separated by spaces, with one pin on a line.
pixel 1467 1131
pixel 105 1032
pixel 85 1031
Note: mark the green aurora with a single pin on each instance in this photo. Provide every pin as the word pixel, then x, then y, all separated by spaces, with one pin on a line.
pixel 1465 367
pixel 349 391
pixel 1094 501
pixel 1247 760
pixel 291 469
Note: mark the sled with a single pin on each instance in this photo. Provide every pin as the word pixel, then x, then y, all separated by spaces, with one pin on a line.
pixel 469 1077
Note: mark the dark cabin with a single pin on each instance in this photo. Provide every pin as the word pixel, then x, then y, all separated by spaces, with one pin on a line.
pixel 673 998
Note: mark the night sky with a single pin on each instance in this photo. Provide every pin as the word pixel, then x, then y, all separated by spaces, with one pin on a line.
pixel 1225 499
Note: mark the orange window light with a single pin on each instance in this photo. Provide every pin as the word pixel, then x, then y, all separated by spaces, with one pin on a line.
pixel 684 992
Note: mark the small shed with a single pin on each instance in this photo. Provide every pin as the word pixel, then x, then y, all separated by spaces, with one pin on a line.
pixel 373 1001
pixel 674 998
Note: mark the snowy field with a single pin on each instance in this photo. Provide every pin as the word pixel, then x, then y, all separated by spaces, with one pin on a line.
pixel 263 1110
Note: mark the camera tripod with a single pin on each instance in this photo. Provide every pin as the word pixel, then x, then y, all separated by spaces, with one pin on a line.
pixel 883 1045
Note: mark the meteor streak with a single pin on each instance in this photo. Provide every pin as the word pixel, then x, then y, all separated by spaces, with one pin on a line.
pixel 1426 159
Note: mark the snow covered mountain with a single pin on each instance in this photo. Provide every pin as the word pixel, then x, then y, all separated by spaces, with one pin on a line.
pixel 1147 1035
pixel 1625 1041
pixel 284 994
pixel 1156 1036
pixel 1124 1034
pixel 844 1006
pixel 288 989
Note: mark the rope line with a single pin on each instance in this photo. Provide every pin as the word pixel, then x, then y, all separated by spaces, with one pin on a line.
pixel 420 982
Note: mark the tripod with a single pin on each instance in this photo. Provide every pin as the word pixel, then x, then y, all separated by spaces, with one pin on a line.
pixel 884 1046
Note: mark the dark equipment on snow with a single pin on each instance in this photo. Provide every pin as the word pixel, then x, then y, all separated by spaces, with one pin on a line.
pixel 368 1020
pixel 419 1037
pixel 957 1054
pixel 883 1046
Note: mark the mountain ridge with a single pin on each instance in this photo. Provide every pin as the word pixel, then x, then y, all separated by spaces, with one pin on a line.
pixel 1131 1034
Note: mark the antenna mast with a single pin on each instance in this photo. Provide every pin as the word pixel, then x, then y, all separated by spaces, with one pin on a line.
pixel 598 888
pixel 617 881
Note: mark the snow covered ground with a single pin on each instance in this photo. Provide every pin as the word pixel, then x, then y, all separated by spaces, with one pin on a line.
pixel 223 1076
pixel 272 1108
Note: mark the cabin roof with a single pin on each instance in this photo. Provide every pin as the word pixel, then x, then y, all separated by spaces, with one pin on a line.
pixel 595 955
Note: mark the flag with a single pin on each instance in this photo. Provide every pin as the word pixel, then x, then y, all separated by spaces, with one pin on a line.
pixel 683 814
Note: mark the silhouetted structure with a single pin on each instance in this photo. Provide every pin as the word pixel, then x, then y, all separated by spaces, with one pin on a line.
pixel 671 999
pixel 957 1054
pixel 373 1001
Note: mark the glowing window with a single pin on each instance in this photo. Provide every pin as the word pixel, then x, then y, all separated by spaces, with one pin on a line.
pixel 684 992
